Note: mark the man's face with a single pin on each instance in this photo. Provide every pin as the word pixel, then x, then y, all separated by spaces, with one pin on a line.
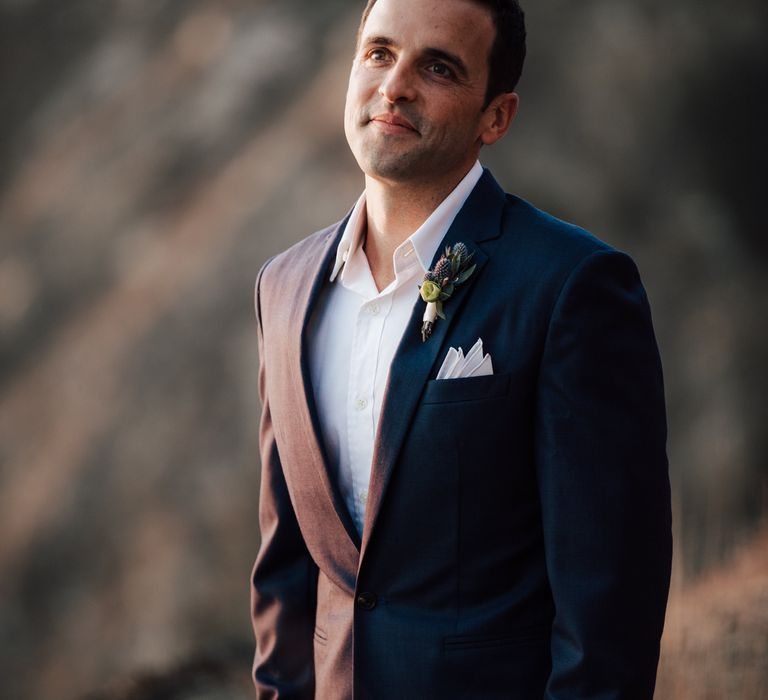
pixel 417 88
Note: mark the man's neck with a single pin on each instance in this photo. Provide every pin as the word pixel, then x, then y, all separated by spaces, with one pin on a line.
pixel 394 212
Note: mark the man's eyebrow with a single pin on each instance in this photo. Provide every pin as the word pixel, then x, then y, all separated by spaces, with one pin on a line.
pixel 379 41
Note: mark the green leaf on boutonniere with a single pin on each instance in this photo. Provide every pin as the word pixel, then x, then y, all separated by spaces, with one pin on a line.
pixel 464 276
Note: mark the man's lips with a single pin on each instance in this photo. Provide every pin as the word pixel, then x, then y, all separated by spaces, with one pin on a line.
pixel 393 123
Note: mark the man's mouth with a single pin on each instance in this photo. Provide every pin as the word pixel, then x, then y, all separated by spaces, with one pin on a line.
pixel 393 123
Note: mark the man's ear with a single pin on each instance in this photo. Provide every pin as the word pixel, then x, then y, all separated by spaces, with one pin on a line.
pixel 498 116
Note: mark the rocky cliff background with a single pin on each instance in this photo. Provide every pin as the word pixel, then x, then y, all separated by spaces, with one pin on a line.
pixel 153 153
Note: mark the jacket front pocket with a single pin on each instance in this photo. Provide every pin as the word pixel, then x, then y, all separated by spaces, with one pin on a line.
pixel 536 633
pixel 486 386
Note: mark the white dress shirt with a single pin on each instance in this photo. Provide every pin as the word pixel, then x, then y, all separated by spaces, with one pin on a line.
pixel 354 333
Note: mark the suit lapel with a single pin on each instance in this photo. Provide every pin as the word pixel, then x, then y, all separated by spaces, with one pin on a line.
pixel 412 365
pixel 305 405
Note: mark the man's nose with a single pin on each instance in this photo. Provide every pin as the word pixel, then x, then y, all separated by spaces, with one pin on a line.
pixel 398 84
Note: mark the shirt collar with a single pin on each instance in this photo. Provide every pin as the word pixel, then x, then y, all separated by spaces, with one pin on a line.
pixel 425 240
pixel 350 239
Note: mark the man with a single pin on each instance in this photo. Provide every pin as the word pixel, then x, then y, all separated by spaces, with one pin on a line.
pixel 500 533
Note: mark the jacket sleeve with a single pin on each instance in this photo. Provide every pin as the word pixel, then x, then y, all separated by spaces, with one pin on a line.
pixel 604 484
pixel 284 576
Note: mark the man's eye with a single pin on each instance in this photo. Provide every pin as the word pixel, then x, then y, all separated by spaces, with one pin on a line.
pixel 378 55
pixel 440 69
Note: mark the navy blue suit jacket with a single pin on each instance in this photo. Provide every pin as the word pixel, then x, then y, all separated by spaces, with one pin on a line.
pixel 517 539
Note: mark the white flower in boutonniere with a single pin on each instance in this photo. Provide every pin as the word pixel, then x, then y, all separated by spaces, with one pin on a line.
pixel 451 269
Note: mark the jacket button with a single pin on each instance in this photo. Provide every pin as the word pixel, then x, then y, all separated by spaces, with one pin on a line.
pixel 367 600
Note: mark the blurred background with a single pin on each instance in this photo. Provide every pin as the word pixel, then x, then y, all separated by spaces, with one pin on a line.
pixel 153 153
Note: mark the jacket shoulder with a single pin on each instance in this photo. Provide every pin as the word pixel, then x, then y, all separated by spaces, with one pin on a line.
pixel 544 252
pixel 276 273
pixel 547 237
pixel 298 255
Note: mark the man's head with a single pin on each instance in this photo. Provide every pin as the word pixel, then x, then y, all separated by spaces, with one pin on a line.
pixel 505 62
pixel 431 82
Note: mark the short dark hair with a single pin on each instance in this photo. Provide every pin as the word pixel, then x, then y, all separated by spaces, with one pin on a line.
pixel 505 63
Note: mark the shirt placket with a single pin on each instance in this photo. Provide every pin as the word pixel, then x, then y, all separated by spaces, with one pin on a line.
pixel 366 348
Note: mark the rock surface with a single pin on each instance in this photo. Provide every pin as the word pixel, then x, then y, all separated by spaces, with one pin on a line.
pixel 153 154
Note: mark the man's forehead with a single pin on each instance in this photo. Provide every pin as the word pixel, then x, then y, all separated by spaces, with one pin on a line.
pixel 456 25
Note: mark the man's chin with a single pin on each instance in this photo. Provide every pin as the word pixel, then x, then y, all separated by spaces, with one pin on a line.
pixel 393 167
pixel 392 173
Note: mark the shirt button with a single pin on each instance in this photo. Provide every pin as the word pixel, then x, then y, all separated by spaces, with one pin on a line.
pixel 373 308
pixel 367 600
pixel 361 404
pixel 363 496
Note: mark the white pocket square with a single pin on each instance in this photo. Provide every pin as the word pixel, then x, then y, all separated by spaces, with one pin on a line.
pixel 474 364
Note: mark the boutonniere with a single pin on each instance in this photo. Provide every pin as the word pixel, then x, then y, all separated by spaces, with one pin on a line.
pixel 451 269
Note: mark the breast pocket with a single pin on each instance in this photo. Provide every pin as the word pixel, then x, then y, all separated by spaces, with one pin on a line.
pixel 467 388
